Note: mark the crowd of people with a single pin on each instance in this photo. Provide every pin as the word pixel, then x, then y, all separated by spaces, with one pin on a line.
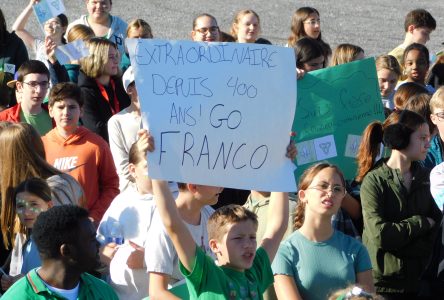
pixel 81 218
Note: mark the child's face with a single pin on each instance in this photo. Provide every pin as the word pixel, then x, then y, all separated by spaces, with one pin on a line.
pixel 421 35
pixel 138 33
pixel 419 143
pixel 66 114
pixel 324 195
pixel 314 64
pixel 33 89
pixel 416 66
pixel 248 29
pixel 238 247
pixel 312 26
pixel 437 118
pixel 112 66
pixel 98 9
pixel 206 30
pixel 387 80
pixel 28 206
pixel 207 194
pixel 53 28
pixel 140 175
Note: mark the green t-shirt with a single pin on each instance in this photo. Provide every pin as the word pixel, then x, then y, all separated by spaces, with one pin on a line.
pixel 320 268
pixel 209 281
pixel 41 122
pixel 32 287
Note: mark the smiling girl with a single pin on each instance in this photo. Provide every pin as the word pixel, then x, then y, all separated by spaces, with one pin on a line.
pixel 307 263
pixel 246 27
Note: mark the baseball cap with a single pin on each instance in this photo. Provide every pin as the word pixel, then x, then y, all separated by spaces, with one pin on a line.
pixel 11 83
pixel 128 78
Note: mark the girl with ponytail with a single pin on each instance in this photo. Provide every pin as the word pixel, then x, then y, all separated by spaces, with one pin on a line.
pixel 307 263
pixel 398 209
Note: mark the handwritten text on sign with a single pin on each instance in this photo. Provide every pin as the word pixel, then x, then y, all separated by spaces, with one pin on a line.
pixel 220 113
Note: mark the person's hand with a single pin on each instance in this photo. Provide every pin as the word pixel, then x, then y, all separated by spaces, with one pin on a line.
pixel 50 47
pixel 431 221
pixel 107 253
pixel 292 151
pixel 300 73
pixel 145 143
pixel 135 260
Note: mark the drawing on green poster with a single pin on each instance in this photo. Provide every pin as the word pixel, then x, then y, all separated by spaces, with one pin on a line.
pixel 334 105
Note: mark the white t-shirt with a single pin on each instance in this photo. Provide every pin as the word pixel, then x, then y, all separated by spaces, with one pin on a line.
pixel 68 294
pixel 161 257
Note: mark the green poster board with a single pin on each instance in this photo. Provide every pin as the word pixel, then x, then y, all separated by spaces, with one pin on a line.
pixel 334 105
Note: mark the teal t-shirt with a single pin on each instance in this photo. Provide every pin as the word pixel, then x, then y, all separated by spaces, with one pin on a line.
pixel 209 281
pixel 32 287
pixel 320 268
pixel 41 122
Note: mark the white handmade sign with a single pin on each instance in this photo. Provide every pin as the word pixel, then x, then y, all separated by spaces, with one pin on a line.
pixel 48 9
pixel 71 51
pixel 220 113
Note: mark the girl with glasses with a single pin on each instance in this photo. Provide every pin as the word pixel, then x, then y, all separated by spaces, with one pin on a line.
pixel 306 22
pixel 400 216
pixel 307 263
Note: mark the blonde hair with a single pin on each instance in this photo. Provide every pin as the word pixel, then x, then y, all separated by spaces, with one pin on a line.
pixel 23 157
pixel 347 294
pixel 388 62
pixel 345 53
pixel 80 32
pixel 237 18
pixel 437 100
pixel 137 24
pixel 226 215
pixel 94 64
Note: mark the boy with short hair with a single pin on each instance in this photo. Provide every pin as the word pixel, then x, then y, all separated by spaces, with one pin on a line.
pixel 32 84
pixel 418 25
pixel 436 151
pixel 80 152
pixel 65 239
pixel 242 271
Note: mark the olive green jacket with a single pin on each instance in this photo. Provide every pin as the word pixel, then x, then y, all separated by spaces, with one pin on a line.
pixel 397 233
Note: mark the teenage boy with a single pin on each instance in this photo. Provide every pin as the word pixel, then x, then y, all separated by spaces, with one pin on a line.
pixel 161 258
pixel 66 241
pixel 32 85
pixel 241 270
pixel 436 151
pixel 80 152
pixel 418 25
pixel 205 29
pixel 103 23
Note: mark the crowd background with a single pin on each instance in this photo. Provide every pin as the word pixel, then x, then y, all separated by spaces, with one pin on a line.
pixel 374 25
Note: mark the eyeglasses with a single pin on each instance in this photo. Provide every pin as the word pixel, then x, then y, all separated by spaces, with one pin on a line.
pixel 336 190
pixel 313 22
pixel 35 84
pixel 205 30
pixel 440 116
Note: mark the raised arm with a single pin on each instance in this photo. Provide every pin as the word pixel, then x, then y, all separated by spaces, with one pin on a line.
pixel 175 227
pixel 286 288
pixel 20 23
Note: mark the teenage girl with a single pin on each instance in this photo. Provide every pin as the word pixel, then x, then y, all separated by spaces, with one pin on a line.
pixel 307 263
pixel 346 53
pixel 405 92
pixel 246 27
pixel 306 22
pixel 137 29
pixel 416 64
pixel 31 197
pixel 388 71
pixel 309 55
pixel 44 50
pixel 399 212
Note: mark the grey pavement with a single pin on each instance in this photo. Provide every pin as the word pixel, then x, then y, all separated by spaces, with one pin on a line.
pixel 375 25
